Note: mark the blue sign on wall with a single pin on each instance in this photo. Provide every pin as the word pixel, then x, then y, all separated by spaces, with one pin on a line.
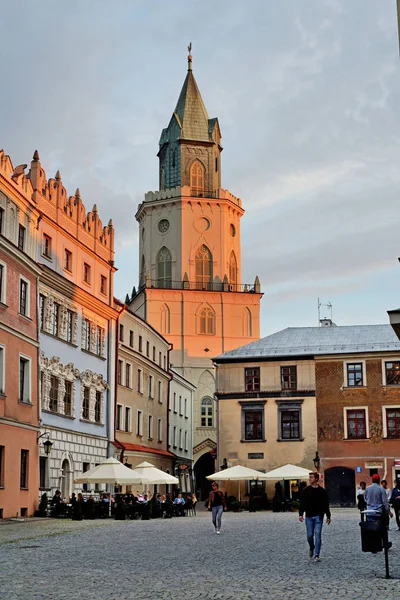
pixel 358 469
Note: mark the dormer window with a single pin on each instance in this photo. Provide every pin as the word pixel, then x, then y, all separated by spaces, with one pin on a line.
pixel 197 179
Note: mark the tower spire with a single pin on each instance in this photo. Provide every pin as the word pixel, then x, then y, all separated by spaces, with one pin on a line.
pixel 190 58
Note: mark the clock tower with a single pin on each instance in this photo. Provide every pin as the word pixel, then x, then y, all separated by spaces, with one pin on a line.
pixel 190 282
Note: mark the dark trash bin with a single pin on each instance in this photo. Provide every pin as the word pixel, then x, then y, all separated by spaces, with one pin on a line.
pixel 371 536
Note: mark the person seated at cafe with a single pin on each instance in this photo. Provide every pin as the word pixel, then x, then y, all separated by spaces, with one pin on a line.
pixel 56 502
pixel 168 507
pixel 145 499
pixel 139 497
pixel 89 508
pixel 72 500
pixel 77 511
pixel 179 504
pixel 120 513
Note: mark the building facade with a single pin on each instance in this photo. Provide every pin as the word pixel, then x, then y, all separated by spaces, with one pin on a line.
pixel 143 378
pixel 19 410
pixel 77 324
pixel 180 429
pixel 190 284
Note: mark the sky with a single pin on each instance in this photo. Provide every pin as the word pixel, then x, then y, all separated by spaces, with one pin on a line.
pixel 305 92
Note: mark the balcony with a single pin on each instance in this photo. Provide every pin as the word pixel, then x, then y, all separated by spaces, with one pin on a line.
pixel 215 286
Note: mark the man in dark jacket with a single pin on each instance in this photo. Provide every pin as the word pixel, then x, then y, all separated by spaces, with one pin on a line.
pixel 315 503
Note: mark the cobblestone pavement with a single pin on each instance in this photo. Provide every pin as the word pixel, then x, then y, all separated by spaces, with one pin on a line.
pixel 261 555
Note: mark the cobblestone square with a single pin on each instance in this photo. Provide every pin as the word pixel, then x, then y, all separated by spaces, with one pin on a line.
pixel 261 555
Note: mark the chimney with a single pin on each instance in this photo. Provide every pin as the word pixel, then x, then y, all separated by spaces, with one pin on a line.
pixel 327 323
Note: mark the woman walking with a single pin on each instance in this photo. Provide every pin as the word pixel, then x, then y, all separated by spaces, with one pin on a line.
pixel 216 503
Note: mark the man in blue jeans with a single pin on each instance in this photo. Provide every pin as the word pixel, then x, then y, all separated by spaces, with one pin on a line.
pixel 315 503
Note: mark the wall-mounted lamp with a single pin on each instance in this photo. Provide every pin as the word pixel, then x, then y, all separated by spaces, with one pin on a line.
pixel 47 445
pixel 316 461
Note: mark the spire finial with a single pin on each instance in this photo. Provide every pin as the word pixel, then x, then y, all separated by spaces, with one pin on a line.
pixel 190 57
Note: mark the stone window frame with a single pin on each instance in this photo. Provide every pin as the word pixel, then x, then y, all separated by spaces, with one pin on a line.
pixel 385 408
pixel 96 383
pixel 285 406
pixel 49 367
pixel 252 406
pixel 386 360
pixel 96 326
pixel 27 387
pixel 345 429
pixel 356 361
pixel 49 298
pixel 3 282
pixel 27 308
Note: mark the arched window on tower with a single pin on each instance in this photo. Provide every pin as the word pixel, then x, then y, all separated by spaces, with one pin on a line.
pixel 247 322
pixel 165 319
pixel 197 179
pixel 207 412
pixel 203 262
pixel 206 321
pixel 162 179
pixel 142 275
pixel 164 268
pixel 232 269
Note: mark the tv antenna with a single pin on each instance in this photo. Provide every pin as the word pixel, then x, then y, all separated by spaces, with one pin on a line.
pixel 328 306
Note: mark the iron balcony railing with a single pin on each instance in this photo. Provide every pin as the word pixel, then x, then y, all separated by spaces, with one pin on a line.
pixel 194 285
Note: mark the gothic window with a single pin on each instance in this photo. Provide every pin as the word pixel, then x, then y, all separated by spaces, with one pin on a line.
pixel 207 412
pixel 142 276
pixel 247 322
pixel 165 319
pixel 162 179
pixel 164 268
pixel 203 262
pixel 207 321
pixel 232 269
pixel 196 178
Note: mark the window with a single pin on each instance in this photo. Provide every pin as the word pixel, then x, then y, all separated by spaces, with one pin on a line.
pixel 68 260
pixel 186 408
pixel 86 403
pixel 180 406
pixel 24 380
pixel 21 237
pixel 53 396
pixel 24 469
pixel 139 429
pixel 3 282
pixel 354 374
pixel 154 354
pixel 186 441
pixel 180 439
pixel 160 392
pixel 127 419
pixel 86 273
pixel 159 430
pixel 252 379
pixel 42 303
pixel 207 412
pixel 150 427
pixel 252 421
pixel 207 321
pixel 2 452
pixel 175 404
pixel 131 338
pixel 86 334
pixel 203 268
pixel 159 359
pixel 247 322
pixel 288 378
pixel 55 315
pixel 99 341
pixel 1 219
pixel 232 269
pixel 164 268
pixel 97 407
pixel 393 422
pixel 175 437
pixel 140 381
pixel 142 276
pixel 68 399
pixel 392 373
pixel 43 461
pixel 118 422
pixel 128 375
pixel 356 424
pixel 103 285
pixel 290 424
pixel 165 363
pixel 70 324
pixel 196 179
pixel 23 298
pixel 148 349
pixel 121 333
pixel 120 372
pixel 140 343
pixel 151 386
pixel 2 370
pixel 46 246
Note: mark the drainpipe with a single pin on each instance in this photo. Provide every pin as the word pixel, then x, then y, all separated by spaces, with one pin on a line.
pixel 171 347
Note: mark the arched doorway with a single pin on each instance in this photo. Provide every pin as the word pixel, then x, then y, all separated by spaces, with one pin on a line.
pixel 340 484
pixel 203 467
pixel 66 479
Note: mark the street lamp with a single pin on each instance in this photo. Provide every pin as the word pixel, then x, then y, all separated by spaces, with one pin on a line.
pixel 316 461
pixel 47 445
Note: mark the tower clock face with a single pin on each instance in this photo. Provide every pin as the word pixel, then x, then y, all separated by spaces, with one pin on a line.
pixel 163 226
pixel 232 230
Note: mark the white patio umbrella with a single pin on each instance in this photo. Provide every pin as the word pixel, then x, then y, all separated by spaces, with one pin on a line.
pixel 238 473
pixel 145 473
pixel 110 471
pixel 288 472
